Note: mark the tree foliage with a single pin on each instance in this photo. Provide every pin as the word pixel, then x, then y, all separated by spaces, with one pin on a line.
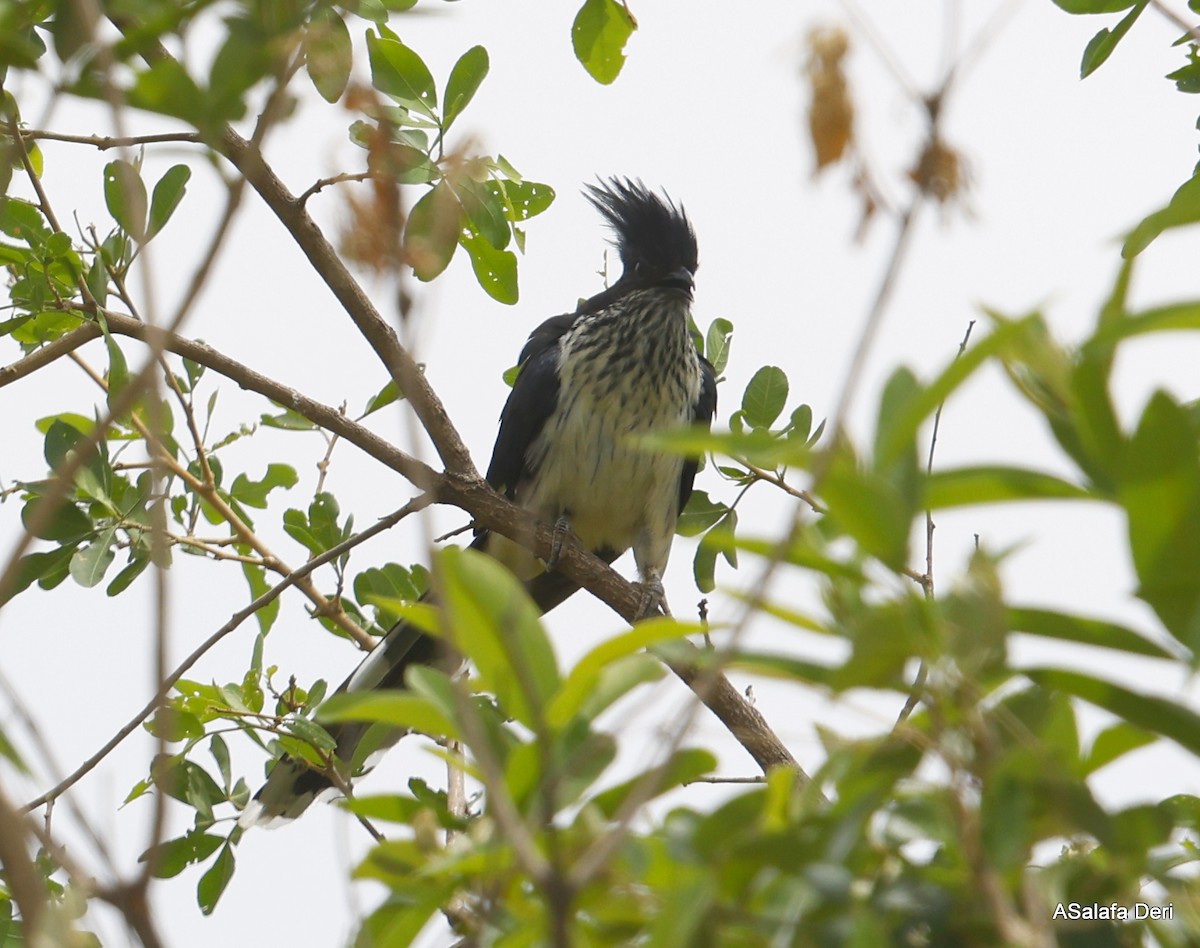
pixel 966 823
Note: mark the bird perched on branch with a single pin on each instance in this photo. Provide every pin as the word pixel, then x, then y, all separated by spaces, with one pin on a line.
pixel 622 365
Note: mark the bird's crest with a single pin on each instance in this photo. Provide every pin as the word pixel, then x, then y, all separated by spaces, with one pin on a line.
pixel 651 231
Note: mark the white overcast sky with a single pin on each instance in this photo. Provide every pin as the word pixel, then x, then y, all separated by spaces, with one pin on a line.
pixel 710 106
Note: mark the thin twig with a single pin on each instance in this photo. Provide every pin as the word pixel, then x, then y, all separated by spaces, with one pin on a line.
pixel 926 581
pixel 759 778
pixel 324 183
pixel 771 478
pixel 105 142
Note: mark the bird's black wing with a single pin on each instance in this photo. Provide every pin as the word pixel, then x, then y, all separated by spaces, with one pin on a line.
pixel 531 401
pixel 702 414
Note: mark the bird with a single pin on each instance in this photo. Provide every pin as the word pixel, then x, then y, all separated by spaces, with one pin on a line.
pixel 590 382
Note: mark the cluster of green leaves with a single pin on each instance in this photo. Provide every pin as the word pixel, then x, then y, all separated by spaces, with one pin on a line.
pixel 754 423
pixel 197 715
pixel 479 203
pixel 56 281
pixel 533 741
pixel 67 905
pixel 107 510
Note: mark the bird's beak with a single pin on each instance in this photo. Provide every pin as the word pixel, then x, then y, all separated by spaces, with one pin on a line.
pixel 680 279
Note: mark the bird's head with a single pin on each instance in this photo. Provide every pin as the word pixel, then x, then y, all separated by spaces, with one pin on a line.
pixel 654 238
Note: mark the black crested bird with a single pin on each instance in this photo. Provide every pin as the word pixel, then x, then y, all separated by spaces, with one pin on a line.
pixel 623 364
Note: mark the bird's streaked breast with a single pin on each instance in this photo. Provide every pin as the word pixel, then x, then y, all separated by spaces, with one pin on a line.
pixel 625 372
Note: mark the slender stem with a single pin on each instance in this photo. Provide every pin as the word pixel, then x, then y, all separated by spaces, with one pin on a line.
pixel 105 142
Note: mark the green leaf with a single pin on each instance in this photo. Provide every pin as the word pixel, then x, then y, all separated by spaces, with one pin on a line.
pixel 399 709
pixel 23 222
pixel 400 73
pixel 92 560
pixel 385 396
pixel 968 486
pixel 166 87
pixel 328 53
pixel 683 767
pixel 47 569
pixel 257 580
pixel 484 209
pixel 875 510
pixel 616 679
pixel 1104 42
pixel 254 493
pixel 432 232
pixel 496 270
pixel 118 369
pixel 72 30
pixel 800 424
pixel 378 586
pixel 522 199
pixel 765 396
pixel 212 884
pixel 902 429
pixel 495 623
pixel 1097 632
pixel 716 343
pixel 61 438
pixel 598 35
pixel 125 195
pixel 136 566
pixel 319 530
pixel 463 83
pixel 704 567
pixel 69 524
pixel 1160 490
pixel 700 514
pixel 1187 78
pixel 1149 712
pixel 787 667
pixel 588 671
pixel 311 734
pixel 174 855
pixel 288 420
pixel 1094 6
pixel 901 390
pixel 1170 318
pixel 167 194
pixel 1182 209
pixel 1113 743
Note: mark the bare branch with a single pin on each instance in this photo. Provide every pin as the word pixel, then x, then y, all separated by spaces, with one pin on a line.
pixel 772 478
pixel 105 142
pixel 324 183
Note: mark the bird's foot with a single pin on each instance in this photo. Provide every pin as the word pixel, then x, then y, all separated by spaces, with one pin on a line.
pixel 654 598
pixel 562 526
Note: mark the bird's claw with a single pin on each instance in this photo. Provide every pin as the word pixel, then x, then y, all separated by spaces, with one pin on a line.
pixel 562 526
pixel 653 600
